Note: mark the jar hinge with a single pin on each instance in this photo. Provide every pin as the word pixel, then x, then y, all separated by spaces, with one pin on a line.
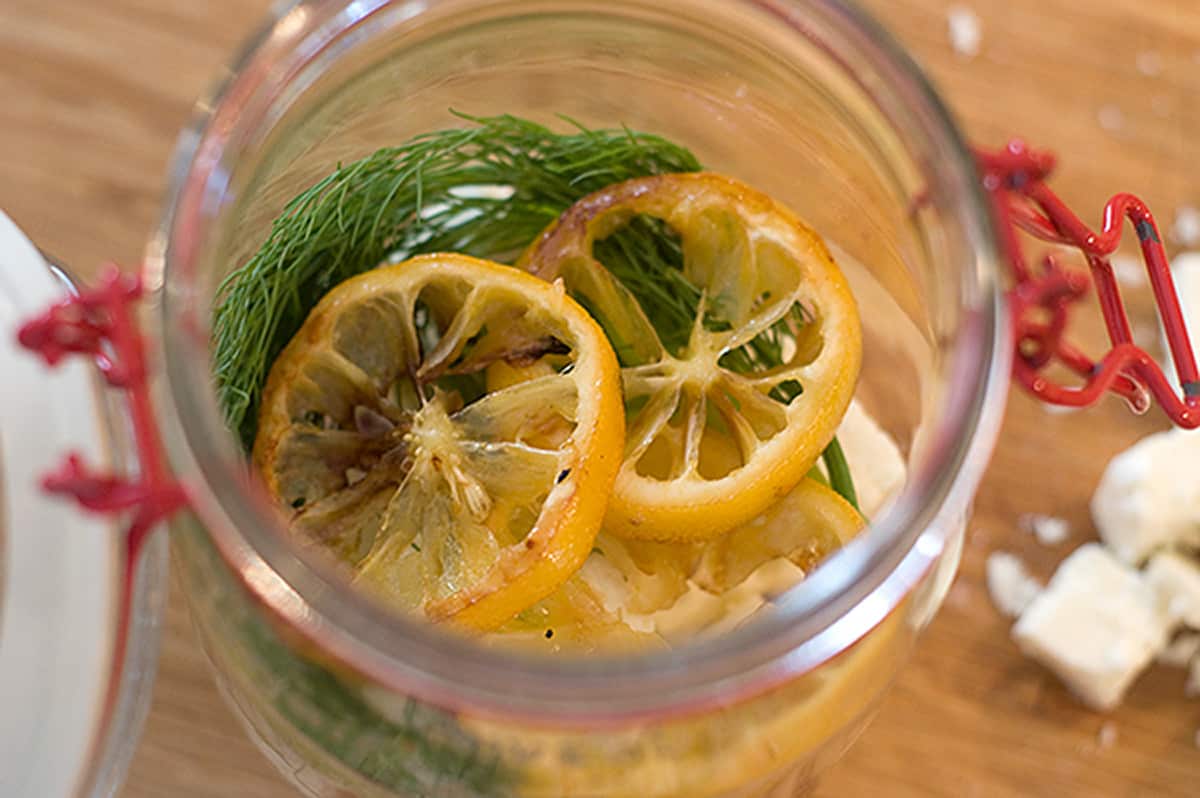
pixel 1040 302
pixel 100 323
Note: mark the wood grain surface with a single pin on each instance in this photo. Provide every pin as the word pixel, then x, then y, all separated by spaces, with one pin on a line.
pixel 92 93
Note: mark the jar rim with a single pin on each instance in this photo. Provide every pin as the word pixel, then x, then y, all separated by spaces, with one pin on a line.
pixel 821 617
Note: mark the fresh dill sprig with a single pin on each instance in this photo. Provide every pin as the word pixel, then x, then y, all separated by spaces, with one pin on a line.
pixel 485 190
pixel 646 256
pixel 839 472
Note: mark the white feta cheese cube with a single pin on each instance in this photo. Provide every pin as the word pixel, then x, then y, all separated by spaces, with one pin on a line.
pixel 1149 496
pixel 1097 625
pixel 1176 581
pixel 1011 587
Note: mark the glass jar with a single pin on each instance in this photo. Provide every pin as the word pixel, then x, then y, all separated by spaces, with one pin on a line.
pixel 808 100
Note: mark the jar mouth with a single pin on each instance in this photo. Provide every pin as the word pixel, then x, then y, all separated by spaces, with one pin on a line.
pixel 819 618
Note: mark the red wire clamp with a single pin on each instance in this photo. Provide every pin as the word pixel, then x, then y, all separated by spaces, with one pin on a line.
pixel 100 323
pixel 1041 302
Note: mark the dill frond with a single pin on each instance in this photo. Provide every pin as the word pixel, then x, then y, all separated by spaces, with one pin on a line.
pixel 485 190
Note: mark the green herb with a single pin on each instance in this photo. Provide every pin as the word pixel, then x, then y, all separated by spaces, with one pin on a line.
pixel 815 473
pixel 418 750
pixel 485 190
pixel 412 749
pixel 646 256
pixel 839 472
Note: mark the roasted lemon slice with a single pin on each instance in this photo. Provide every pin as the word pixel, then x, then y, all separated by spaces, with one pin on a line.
pixel 724 425
pixel 804 527
pixel 635 595
pixel 383 441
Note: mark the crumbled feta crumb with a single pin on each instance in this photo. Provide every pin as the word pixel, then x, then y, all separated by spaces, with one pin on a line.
pixel 1111 118
pixel 1149 497
pixel 1097 625
pixel 1149 63
pixel 1128 270
pixel 1186 230
pixel 1048 530
pixel 1011 587
pixel 1180 652
pixel 1176 581
pixel 966 31
pixel 1107 736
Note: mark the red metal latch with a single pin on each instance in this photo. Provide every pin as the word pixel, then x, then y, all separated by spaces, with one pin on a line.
pixel 1040 303
pixel 99 323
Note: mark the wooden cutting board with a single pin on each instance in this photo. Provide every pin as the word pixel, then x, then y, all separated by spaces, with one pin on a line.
pixel 93 94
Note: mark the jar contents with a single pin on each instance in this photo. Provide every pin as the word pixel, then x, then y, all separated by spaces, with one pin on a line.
pixel 630 436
